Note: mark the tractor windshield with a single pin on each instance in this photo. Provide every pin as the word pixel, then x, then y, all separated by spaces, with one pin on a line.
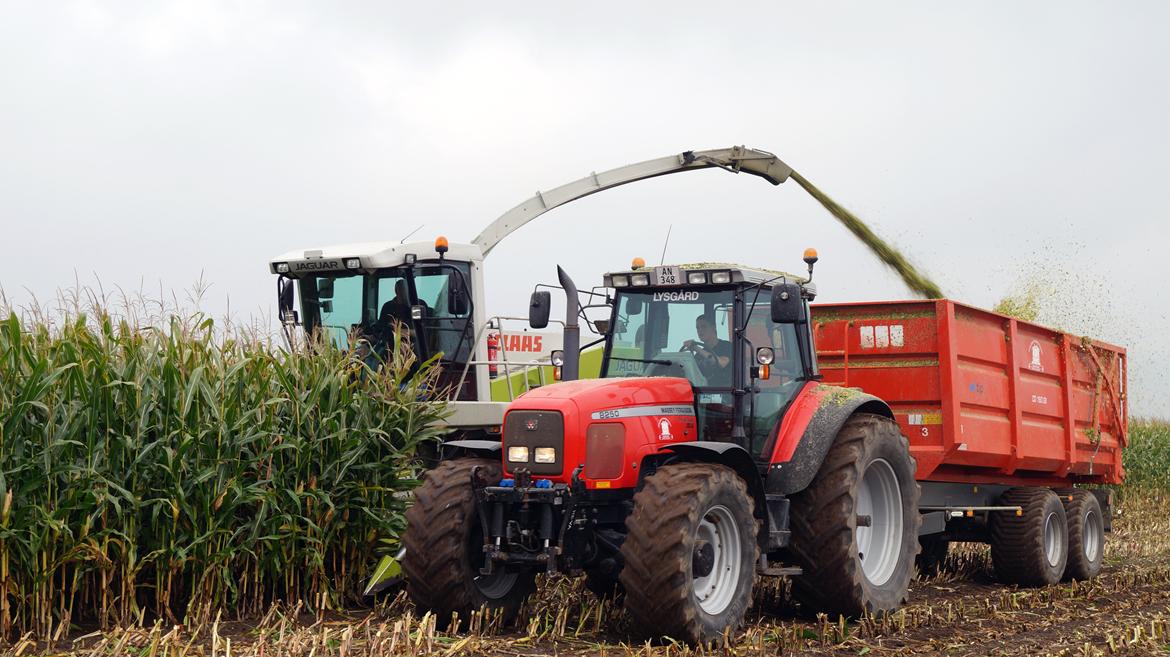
pixel 425 304
pixel 683 333
pixel 689 334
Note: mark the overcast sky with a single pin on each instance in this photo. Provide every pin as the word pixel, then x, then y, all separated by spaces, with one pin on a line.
pixel 149 144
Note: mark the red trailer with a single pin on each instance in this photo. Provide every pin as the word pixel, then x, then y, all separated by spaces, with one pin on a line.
pixel 983 398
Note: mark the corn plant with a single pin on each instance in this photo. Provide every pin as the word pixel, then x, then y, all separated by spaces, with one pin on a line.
pixel 175 472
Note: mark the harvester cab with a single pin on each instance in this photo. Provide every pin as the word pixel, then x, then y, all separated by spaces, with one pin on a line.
pixel 424 296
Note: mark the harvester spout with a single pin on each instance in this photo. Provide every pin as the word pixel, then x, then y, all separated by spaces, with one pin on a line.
pixel 735 159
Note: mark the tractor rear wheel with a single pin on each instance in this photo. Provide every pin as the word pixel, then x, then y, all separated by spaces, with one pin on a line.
pixel 444 547
pixel 690 554
pixel 1030 549
pixel 1086 533
pixel 855 528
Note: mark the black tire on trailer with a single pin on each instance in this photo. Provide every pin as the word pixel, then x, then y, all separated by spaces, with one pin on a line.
pixel 690 553
pixel 1086 533
pixel 868 472
pixel 444 547
pixel 932 556
pixel 1029 549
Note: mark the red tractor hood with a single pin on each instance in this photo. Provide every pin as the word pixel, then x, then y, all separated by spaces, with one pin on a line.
pixel 651 411
pixel 602 394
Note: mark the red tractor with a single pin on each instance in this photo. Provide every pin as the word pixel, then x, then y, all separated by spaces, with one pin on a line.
pixel 711 451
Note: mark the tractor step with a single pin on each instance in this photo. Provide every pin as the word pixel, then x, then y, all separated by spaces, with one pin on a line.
pixel 780 571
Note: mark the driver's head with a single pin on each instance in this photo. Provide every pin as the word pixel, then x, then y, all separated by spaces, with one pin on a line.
pixel 705 327
pixel 400 291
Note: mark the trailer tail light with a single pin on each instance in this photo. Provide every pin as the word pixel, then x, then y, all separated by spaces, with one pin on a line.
pixel 604 450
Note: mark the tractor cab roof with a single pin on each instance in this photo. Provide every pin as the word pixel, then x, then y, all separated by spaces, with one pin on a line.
pixel 699 273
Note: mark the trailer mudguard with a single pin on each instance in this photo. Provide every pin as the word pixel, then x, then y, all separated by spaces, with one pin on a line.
pixel 488 448
pixel 833 411
pixel 733 456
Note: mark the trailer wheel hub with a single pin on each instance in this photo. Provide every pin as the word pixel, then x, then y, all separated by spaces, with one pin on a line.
pixel 703 559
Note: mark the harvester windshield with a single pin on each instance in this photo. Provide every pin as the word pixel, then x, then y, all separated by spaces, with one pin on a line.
pixel 426 304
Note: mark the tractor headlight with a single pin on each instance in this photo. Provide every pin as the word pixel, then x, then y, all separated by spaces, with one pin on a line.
pixel 518 454
pixel 697 277
pixel 620 281
pixel 720 277
pixel 546 455
pixel 557 358
pixel 353 263
pixel 640 279
pixel 282 267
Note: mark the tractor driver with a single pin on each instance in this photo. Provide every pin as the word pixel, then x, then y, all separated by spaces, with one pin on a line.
pixel 712 354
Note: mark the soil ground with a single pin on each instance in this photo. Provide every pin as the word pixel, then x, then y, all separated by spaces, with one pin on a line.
pixel 962 611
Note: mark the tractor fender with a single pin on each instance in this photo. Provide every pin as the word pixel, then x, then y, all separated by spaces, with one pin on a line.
pixel 486 448
pixel 834 410
pixel 729 454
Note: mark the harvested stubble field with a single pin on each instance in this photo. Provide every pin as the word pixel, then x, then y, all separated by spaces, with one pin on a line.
pixel 961 611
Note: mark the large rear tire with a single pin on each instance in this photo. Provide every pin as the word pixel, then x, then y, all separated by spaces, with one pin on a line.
pixel 1086 533
pixel 444 547
pixel 1030 549
pixel 850 568
pixel 690 554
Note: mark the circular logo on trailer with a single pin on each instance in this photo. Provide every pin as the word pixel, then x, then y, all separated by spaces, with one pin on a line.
pixel 664 430
pixel 1034 351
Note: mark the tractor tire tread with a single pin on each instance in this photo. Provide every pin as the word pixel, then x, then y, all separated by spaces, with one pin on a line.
pixel 656 559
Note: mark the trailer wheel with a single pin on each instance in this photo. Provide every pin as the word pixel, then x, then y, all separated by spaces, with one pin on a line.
pixel 1086 533
pixel 690 552
pixel 855 528
pixel 444 547
pixel 1030 549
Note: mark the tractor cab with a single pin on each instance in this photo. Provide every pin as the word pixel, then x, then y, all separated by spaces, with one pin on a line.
pixel 713 325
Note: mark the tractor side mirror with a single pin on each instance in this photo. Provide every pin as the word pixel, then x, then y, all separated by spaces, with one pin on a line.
pixel 786 303
pixel 457 297
pixel 539 308
pixel 634 304
pixel 602 326
pixel 325 288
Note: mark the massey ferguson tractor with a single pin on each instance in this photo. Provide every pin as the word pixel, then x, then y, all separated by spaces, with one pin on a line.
pixel 736 431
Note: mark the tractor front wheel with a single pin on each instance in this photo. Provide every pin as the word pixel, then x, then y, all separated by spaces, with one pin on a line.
pixel 690 554
pixel 444 547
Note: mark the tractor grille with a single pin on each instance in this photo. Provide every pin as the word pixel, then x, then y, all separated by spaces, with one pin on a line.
pixel 533 429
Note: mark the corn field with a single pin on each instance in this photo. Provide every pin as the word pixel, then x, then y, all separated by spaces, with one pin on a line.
pixel 176 473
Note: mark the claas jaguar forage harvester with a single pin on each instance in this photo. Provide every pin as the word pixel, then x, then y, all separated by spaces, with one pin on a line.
pixel 737 431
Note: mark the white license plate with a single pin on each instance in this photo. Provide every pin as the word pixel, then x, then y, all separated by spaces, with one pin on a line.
pixel 667 276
